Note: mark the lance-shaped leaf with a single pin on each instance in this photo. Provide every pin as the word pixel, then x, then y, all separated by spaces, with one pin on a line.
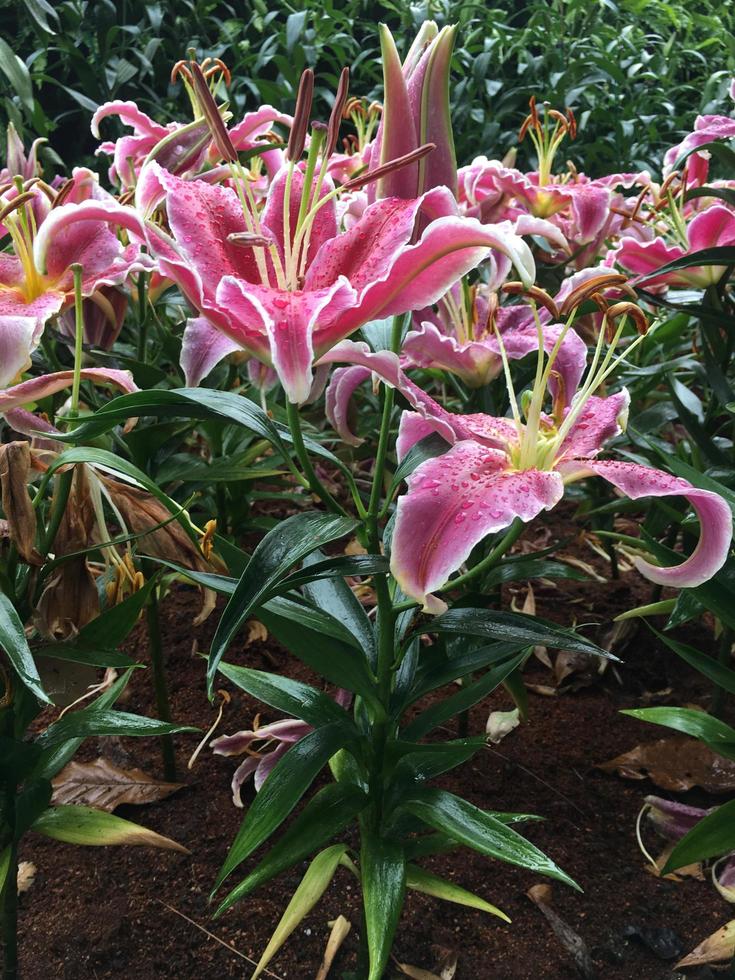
pixel 325 815
pixel 420 880
pixel 272 560
pixel 481 831
pixel 282 790
pixel 13 642
pixel 311 888
pixel 383 880
pixel 100 721
pixel 716 734
pixel 713 835
pixel 97 828
pixel 292 697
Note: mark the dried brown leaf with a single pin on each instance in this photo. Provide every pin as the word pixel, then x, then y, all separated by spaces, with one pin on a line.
pixel 675 764
pixel 105 786
pixel 26 875
pixel 256 633
pixel 717 948
pixel 340 928
pixel 15 465
pixel 570 940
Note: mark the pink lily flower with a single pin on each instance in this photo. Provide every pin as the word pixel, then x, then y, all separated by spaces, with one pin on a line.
pixel 707 129
pixel 715 226
pixel 500 469
pixel 184 148
pixel 287 290
pixel 47 238
pixel 264 745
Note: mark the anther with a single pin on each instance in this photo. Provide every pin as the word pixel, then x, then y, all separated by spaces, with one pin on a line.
pixel 302 112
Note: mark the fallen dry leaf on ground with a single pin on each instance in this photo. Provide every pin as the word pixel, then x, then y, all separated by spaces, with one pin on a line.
pixel 105 786
pixel 257 633
pixel 717 948
pixel 675 764
pixel 571 941
pixel 26 875
pixel 501 723
pixel 339 930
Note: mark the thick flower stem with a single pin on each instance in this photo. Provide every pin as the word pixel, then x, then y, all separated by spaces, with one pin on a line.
pixel 315 484
pixel 160 685
pixel 142 317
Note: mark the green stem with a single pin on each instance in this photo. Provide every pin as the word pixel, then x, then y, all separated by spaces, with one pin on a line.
pixel 315 484
pixel 163 706
pixel 58 506
pixel 142 317
pixel 78 341
pixel 723 658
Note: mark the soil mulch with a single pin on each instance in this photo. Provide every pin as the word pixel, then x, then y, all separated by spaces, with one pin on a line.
pixel 98 913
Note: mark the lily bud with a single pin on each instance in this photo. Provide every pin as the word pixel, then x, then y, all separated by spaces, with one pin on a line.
pixel 416 112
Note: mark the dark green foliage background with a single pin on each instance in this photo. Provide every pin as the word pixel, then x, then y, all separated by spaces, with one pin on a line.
pixel 635 71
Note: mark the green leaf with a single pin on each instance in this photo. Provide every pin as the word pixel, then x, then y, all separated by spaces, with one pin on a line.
pixel 112 626
pixel 527 567
pixel 30 802
pixel 292 697
pixel 13 642
pixel 719 255
pixel 4 866
pixel 274 557
pixel 703 662
pixel 427 883
pixel 288 781
pixel 427 448
pixel 512 627
pixel 437 668
pixel 325 815
pixel 17 74
pixel 322 642
pixel 481 831
pixel 337 598
pixel 99 721
pixel 714 733
pixel 425 761
pixel 97 828
pixel 712 836
pixel 383 879
pixel 311 888
pixel 463 699
pixel 94 658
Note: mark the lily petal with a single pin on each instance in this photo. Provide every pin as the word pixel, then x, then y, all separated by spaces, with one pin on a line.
pixel 203 347
pixel 454 501
pixel 48 384
pixel 715 519
pixel 18 337
pixel 341 388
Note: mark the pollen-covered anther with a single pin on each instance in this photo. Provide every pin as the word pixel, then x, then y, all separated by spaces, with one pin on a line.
pixel 337 113
pixel 631 310
pixel 249 239
pixel 302 113
pixel 211 113
pixel 571 123
pixel 535 293
pixel 16 204
pixel 607 280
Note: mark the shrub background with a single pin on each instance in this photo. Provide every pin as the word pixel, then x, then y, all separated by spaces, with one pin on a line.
pixel 636 72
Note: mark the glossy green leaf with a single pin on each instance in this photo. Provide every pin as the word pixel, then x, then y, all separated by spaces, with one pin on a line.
pixel 274 557
pixel 711 836
pixel 463 699
pixel 310 889
pixel 335 597
pixel 13 642
pixel 383 880
pixel 481 831
pixel 4 866
pixel 17 74
pixel 112 626
pixel 705 663
pixel 294 698
pixel 437 669
pixel 326 814
pixel 719 736
pixel 100 721
pixel 288 781
pixel 97 828
pixel 513 627
pixel 420 880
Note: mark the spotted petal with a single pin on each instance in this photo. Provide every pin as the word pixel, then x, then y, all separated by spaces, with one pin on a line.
pixel 454 501
pixel 202 348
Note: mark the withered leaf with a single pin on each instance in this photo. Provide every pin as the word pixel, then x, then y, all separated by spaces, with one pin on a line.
pixel 105 786
pixel 675 764
pixel 339 930
pixel 15 466
pixel 570 940
pixel 717 948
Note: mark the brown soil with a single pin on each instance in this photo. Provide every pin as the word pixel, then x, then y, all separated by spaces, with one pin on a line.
pixel 119 913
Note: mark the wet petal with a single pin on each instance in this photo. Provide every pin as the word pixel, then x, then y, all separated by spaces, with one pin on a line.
pixel 452 503
pixel 341 388
pixel 203 346
pixel 48 384
pixel 715 519
pixel 600 420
